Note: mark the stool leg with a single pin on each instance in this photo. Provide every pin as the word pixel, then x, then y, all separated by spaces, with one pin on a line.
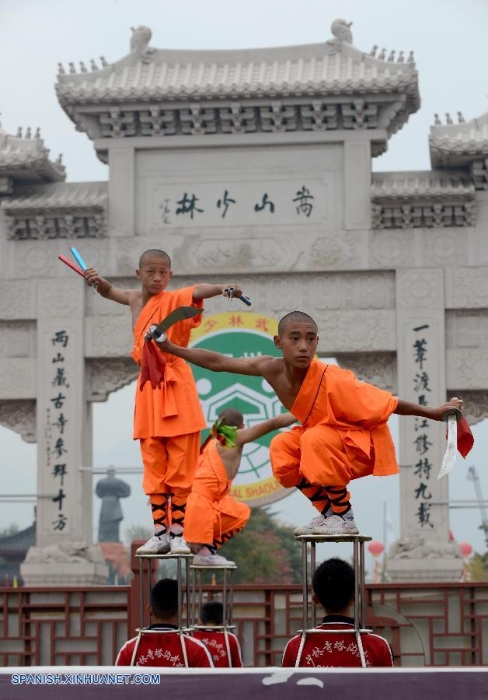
pixel 141 584
pixel 361 574
pixel 304 585
pixel 313 566
pixel 356 585
pixel 231 596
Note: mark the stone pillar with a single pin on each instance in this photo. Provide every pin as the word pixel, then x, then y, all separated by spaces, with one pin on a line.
pixel 357 184
pixel 64 505
pixel 424 552
pixel 121 191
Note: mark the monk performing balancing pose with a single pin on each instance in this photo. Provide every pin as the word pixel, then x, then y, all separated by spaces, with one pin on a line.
pixel 168 416
pixel 343 434
pixel 212 516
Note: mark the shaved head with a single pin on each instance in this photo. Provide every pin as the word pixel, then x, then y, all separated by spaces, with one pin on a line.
pixel 294 316
pixel 232 417
pixel 154 253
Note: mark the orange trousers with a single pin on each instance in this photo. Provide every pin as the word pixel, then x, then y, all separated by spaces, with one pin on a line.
pixel 170 464
pixel 318 454
pixel 208 522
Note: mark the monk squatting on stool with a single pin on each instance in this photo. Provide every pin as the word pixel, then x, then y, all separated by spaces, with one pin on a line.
pixel 212 515
pixel 343 434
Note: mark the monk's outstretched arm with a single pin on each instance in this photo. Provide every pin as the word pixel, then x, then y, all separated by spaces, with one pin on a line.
pixel 245 435
pixel 206 291
pixel 208 359
pixel 106 289
pixel 405 408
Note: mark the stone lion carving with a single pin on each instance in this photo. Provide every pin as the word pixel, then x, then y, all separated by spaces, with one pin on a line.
pixel 420 548
pixel 65 553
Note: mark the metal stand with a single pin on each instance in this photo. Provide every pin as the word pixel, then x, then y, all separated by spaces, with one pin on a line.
pixel 182 562
pixel 359 587
pixel 197 593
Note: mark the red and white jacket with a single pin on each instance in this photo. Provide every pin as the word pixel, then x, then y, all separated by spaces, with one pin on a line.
pixel 223 646
pixel 163 645
pixel 321 649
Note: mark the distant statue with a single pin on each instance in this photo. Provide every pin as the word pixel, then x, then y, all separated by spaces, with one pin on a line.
pixel 111 490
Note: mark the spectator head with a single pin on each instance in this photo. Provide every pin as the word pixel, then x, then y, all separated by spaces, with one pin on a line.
pixel 333 585
pixel 212 613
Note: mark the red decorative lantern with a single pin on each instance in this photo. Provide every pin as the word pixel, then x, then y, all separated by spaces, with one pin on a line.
pixel 466 549
pixel 375 548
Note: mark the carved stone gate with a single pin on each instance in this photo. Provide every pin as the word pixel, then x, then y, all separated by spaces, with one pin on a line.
pixel 254 164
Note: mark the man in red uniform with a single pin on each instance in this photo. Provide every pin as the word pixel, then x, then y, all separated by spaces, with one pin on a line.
pixel 343 434
pixel 167 417
pixel 223 646
pixel 162 643
pixel 333 588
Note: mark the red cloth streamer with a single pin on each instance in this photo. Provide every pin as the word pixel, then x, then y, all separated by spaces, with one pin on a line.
pixel 152 367
pixel 465 439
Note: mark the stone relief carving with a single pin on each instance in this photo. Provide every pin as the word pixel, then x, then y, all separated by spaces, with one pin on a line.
pixel 466 328
pixel 419 289
pixel 475 404
pixel 108 336
pixel 17 299
pixel 392 249
pixel 375 368
pixel 17 338
pixel 61 225
pixel 407 215
pixel 468 367
pixel 331 251
pixel 65 553
pixel 60 299
pixel 355 331
pixel 20 416
pixel 446 248
pixel 239 254
pixel 105 376
pixel 18 378
pixel 467 287
pixel 417 547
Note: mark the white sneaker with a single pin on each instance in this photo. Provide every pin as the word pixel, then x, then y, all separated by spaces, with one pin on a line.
pixel 336 525
pixel 308 529
pixel 158 544
pixel 178 545
pixel 211 560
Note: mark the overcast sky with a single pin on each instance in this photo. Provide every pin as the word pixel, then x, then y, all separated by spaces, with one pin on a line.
pixel 451 52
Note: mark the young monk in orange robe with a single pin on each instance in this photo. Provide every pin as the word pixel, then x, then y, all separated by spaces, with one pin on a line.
pixel 212 516
pixel 167 418
pixel 344 433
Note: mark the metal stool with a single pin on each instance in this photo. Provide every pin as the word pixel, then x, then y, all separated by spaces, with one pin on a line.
pixel 359 587
pixel 227 593
pixel 182 561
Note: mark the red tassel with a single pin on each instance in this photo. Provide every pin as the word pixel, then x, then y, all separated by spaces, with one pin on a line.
pixel 465 439
pixel 152 367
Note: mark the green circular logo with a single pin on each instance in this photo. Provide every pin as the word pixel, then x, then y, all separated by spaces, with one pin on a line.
pixel 242 335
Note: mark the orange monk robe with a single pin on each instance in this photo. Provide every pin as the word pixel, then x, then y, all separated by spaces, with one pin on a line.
pixel 174 407
pixel 344 432
pixel 210 511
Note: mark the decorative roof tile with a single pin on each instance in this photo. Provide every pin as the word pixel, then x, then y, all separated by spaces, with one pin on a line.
pixel 290 71
pixel 28 159
pixel 421 185
pixel 151 91
pixel 72 195
pixel 459 144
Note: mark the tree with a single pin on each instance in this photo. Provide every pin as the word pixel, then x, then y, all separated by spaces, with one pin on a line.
pixel 478 567
pixel 265 551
